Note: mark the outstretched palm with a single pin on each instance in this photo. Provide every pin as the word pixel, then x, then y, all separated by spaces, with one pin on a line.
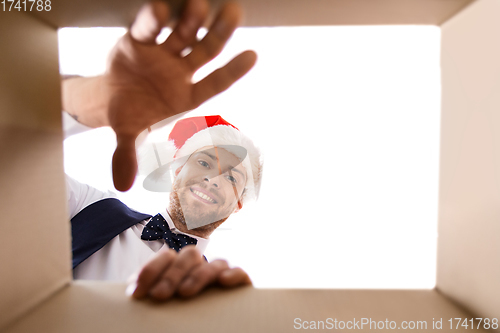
pixel 148 82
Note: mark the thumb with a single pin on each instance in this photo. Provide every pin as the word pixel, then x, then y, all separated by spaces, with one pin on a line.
pixel 124 163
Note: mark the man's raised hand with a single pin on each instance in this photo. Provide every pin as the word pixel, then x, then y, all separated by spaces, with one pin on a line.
pixel 149 82
pixel 146 82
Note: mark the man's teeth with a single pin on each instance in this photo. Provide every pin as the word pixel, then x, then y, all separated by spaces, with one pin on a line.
pixel 203 196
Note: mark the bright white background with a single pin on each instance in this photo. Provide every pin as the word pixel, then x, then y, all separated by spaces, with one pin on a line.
pixel 348 119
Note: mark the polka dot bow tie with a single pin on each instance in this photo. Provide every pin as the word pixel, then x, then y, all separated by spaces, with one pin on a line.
pixel 157 228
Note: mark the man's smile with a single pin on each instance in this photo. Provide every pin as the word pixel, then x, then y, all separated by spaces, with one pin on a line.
pixel 202 195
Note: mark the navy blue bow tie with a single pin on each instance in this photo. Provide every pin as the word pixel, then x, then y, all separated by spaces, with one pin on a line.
pixel 157 228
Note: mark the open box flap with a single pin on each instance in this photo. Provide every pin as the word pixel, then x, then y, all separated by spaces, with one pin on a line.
pixel 103 307
pixel 469 210
pixel 89 13
pixel 35 240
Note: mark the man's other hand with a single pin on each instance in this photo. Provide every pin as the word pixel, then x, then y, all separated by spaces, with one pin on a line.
pixel 185 274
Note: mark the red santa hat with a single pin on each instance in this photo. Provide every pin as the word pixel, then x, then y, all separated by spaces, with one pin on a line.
pixel 191 134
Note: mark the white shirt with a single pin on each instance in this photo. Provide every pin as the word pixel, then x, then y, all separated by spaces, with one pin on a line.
pixel 125 254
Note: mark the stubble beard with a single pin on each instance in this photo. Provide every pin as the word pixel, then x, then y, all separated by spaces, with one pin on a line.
pixel 176 212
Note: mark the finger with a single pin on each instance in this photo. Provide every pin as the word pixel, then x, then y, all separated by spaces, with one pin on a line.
pixel 212 44
pixel 152 271
pixel 234 277
pixel 223 78
pixel 124 163
pixel 201 277
pixel 169 281
pixel 152 17
pixel 184 35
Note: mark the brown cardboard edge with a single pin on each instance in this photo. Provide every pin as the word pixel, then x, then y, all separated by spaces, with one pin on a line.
pixel 36 302
pixel 272 13
pixel 465 272
pixel 458 13
pixel 97 306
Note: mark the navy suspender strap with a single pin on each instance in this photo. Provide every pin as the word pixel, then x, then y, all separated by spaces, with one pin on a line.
pixel 97 224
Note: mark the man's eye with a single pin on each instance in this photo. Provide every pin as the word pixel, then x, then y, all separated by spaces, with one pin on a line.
pixel 203 163
pixel 232 179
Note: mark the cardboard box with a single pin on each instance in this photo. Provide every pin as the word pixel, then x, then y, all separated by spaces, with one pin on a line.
pixel 36 287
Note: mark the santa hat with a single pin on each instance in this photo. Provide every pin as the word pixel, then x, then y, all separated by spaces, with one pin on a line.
pixel 189 135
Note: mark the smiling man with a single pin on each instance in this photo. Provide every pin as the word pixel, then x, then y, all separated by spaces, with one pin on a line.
pixel 212 172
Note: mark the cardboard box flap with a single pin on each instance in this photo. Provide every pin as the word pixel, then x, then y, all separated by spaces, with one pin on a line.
pixel 33 181
pixel 469 214
pixel 103 307
pixel 90 13
pixel 35 254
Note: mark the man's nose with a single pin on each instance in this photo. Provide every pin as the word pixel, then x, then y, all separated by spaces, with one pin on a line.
pixel 212 181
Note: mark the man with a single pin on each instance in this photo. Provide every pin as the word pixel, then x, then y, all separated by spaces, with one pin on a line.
pixel 215 168
pixel 145 83
pixel 216 171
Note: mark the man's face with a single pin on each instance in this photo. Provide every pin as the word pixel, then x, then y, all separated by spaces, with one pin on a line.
pixel 208 187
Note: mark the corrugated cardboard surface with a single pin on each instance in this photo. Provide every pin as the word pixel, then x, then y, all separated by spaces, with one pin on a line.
pixel 29 73
pixel 469 214
pixel 35 244
pixel 35 251
pixel 103 307
pixel 85 13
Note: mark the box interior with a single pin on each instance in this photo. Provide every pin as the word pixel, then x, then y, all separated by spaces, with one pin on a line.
pixel 37 292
